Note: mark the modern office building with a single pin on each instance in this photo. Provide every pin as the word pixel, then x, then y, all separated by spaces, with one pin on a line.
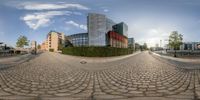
pixel 80 39
pixel 98 26
pixel 54 40
pixel 131 43
pixel 117 40
pixel 190 46
pixel 121 28
pixel 101 32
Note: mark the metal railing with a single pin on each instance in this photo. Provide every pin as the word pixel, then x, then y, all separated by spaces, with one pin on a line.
pixel 6 53
pixel 179 52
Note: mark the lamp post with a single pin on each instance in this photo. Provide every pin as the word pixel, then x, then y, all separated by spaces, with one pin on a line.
pixel 35 47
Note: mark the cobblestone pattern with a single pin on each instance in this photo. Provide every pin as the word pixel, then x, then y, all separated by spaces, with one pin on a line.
pixel 142 75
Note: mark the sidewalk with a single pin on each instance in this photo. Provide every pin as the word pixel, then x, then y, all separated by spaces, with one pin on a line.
pixel 107 59
pixel 97 59
pixel 178 59
pixel 13 60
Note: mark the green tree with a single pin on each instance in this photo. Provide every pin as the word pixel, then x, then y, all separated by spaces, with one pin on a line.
pixel 145 46
pixel 175 40
pixel 22 41
pixel 137 46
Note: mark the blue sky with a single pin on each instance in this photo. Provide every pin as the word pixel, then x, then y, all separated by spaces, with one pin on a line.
pixel 148 20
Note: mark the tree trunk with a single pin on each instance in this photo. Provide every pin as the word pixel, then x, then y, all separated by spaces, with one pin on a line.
pixel 175 53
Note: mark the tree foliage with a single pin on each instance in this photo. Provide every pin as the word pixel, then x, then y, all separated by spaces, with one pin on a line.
pixel 145 46
pixel 175 40
pixel 22 41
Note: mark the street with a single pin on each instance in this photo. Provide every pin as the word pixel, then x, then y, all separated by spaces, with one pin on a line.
pixel 53 76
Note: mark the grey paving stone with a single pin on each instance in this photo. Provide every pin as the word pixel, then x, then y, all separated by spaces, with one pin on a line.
pixel 143 75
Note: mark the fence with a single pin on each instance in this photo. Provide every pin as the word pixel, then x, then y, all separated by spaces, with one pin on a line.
pixel 179 52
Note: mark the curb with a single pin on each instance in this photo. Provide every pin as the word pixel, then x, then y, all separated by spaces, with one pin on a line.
pixel 176 59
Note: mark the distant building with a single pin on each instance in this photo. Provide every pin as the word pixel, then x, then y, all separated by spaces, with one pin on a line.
pixel 33 45
pixel 157 45
pixel 190 46
pixel 137 46
pixel 80 39
pixel 43 46
pixel 156 48
pixel 131 43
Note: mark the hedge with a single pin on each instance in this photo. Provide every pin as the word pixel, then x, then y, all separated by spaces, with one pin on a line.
pixel 96 51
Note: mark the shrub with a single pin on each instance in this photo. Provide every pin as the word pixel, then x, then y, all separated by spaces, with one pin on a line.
pixel 96 51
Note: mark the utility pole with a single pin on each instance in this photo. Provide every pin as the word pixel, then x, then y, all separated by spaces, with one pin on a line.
pixel 35 47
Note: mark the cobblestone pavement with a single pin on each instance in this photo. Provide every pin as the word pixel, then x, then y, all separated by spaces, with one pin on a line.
pixel 52 76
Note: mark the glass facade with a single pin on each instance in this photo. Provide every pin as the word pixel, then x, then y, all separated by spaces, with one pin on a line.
pixel 190 46
pixel 99 26
pixel 131 43
pixel 97 29
pixel 117 40
pixel 80 39
pixel 121 28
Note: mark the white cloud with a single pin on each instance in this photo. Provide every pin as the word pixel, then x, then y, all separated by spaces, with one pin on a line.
pixel 43 13
pixel 143 30
pixel 84 27
pixel 77 13
pixel 150 35
pixel 72 23
pixel 36 20
pixel 50 6
pixel 105 10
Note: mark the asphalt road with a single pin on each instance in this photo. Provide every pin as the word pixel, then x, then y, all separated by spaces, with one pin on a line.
pixel 52 76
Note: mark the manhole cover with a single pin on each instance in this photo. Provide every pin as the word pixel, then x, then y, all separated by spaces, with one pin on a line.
pixel 83 62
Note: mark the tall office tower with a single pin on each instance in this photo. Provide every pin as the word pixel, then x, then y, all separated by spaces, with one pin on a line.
pixel 98 26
